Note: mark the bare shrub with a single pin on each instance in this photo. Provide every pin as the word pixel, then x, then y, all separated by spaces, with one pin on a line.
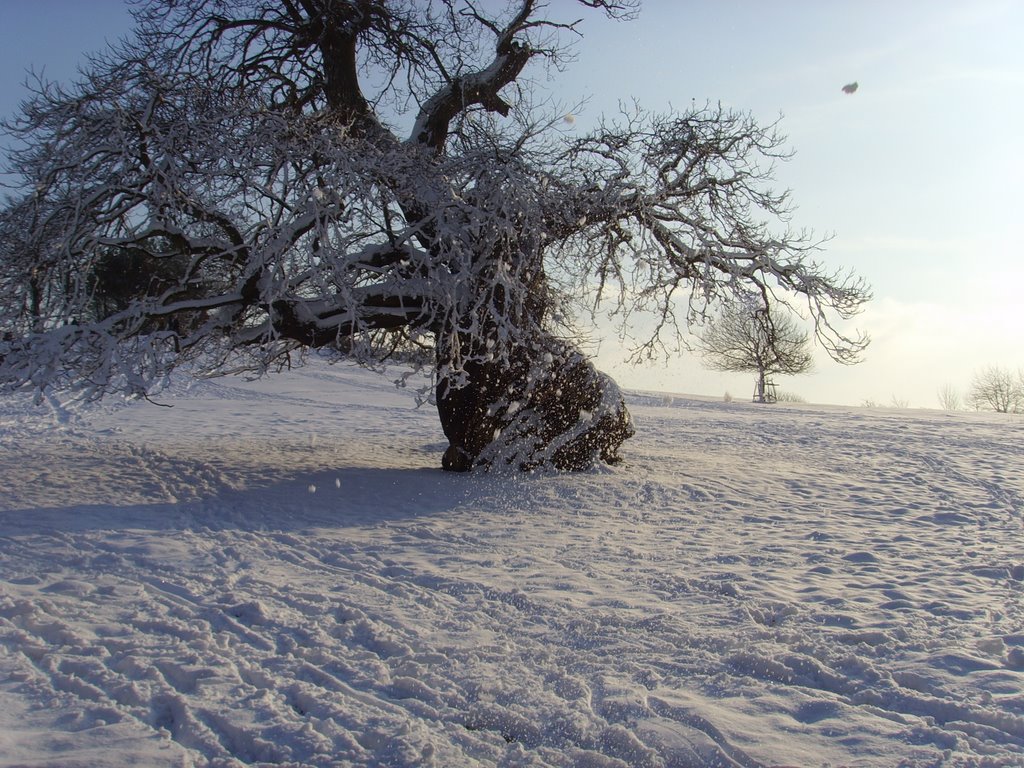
pixel 782 396
pixel 949 398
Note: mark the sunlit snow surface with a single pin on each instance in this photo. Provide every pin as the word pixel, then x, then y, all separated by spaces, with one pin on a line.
pixel 277 573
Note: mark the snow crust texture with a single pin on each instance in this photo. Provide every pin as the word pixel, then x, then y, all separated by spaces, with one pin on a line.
pixel 275 573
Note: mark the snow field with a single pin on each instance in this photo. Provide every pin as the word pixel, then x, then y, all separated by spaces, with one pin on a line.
pixel 755 586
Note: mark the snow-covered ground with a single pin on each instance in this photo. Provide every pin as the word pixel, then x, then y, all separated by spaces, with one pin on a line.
pixel 276 573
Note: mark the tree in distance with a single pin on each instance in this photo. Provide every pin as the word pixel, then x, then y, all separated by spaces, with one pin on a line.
pixel 997 389
pixel 949 398
pixel 242 182
pixel 764 340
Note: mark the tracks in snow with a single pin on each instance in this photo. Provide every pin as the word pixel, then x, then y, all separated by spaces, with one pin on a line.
pixel 750 589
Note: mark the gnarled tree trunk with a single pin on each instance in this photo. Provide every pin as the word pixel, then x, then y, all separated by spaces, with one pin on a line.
pixel 543 404
pixel 527 399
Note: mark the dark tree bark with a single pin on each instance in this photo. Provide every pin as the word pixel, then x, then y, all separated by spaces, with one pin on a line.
pixel 544 404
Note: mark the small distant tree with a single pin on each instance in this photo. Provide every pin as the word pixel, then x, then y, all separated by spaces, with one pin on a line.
pixel 949 398
pixel 762 340
pixel 997 389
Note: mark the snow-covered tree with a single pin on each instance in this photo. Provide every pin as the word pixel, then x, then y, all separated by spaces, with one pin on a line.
pixel 763 340
pixel 243 181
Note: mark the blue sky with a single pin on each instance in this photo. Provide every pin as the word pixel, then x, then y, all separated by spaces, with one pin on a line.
pixel 918 175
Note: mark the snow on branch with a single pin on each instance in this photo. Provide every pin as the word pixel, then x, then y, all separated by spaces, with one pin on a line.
pixel 229 187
